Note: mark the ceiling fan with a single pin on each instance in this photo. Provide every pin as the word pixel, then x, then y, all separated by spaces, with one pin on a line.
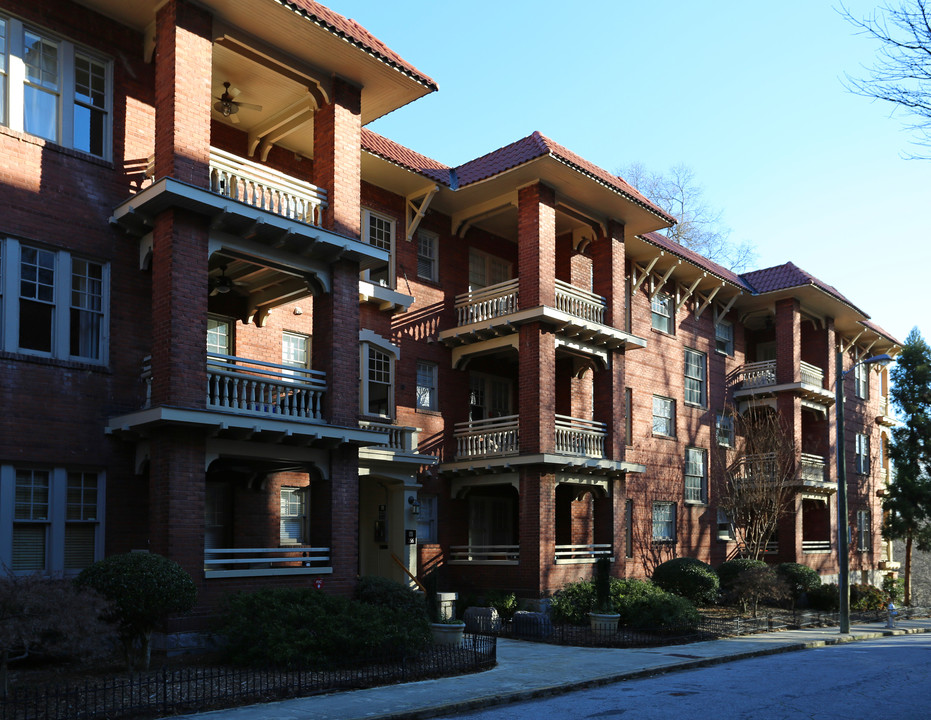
pixel 222 284
pixel 227 104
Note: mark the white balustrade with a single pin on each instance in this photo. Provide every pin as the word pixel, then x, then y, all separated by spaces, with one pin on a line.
pixel 577 554
pixel 816 546
pixel 397 437
pixel 493 437
pixel 264 188
pixel 484 554
pixel 580 303
pixel 811 375
pixel 756 375
pixel 575 436
pixel 811 468
pixel 487 303
pixel 255 387
pixel 248 562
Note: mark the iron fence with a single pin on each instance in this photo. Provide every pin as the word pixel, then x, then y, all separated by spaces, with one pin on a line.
pixel 195 689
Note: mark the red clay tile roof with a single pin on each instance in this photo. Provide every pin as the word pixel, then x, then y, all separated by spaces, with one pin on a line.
pixel 693 257
pixel 406 158
pixel 353 32
pixel 537 145
pixel 879 331
pixel 783 277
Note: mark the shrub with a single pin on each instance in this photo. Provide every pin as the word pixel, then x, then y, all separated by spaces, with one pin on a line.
pixel 758 584
pixel 730 570
pixel 573 602
pixel 800 579
pixel 865 597
pixel 387 593
pixel 660 610
pixel 303 627
pixel 894 588
pixel 825 598
pixel 505 604
pixel 689 578
pixel 144 589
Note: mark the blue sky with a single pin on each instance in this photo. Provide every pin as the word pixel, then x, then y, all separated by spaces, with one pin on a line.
pixel 748 94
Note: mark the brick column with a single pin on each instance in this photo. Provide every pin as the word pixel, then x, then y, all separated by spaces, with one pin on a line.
pixel 537 389
pixel 537 521
pixel 608 255
pixel 788 341
pixel 336 343
pixel 536 245
pixel 338 158
pixel 344 518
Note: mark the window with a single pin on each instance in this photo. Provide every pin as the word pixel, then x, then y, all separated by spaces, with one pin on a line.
pixel 725 526
pixel 426 520
pixel 378 230
pixel 724 337
pixel 628 416
pixel 56 519
pixel 664 522
pixel 485 270
pixel 629 529
pixel 864 531
pixel 378 381
pixel 489 396
pixel 724 430
pixel 696 475
pixel 861 378
pixel 664 416
pixel 427 245
pixel 293 518
pixel 694 378
pixel 54 89
pixel 295 350
pixel 862 460
pixel 219 336
pixel 57 303
pixel 662 312
pixel 491 520
pixel 426 385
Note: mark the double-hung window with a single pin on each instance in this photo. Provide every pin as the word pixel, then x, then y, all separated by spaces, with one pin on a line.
pixel 724 429
pixel 426 385
pixel 219 336
pixel 52 303
pixel 54 89
pixel 293 516
pixel 427 247
pixel 485 270
pixel 864 531
pixel 295 352
pixel 862 457
pixel 378 358
pixel 426 519
pixel 664 416
pixel 696 475
pixel 861 378
pixel 663 312
pixel 664 522
pixel 695 383
pixel 724 337
pixel 379 231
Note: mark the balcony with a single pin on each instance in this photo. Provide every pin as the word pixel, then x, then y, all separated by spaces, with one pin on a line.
pixel 255 562
pixel 582 554
pixel 811 470
pixel 575 436
pixel 494 437
pixel 484 554
pixel 886 415
pixel 759 379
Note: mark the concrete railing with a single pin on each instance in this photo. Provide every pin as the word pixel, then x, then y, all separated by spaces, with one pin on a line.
pixel 493 437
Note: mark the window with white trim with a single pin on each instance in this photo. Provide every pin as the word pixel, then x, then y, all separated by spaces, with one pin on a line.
pixel 56 516
pixel 724 429
pixel 54 89
pixel 696 475
pixel 379 230
pixel 295 350
pixel 219 336
pixel 426 385
pixel 724 337
pixel 862 457
pixel 427 255
pixel 426 519
pixel 293 515
pixel 695 389
pixel 52 303
pixel 864 531
pixel 664 522
pixel 485 270
pixel 861 379
pixel 725 526
pixel 662 313
pixel 664 416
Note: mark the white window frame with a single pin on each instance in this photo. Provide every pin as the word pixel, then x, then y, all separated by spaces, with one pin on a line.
pixel 663 313
pixel 292 504
pixel 724 337
pixel 61 513
pixel 696 475
pixel 724 429
pixel 696 378
pixel 725 526
pixel 214 324
pixel 862 454
pixel 663 522
pixel 426 390
pixel 486 269
pixel 389 244
pixel 370 346
pixel 861 381
pixel 14 81
pixel 295 351
pixel 64 287
pixel 666 419
pixel 864 531
pixel 426 519
pixel 428 255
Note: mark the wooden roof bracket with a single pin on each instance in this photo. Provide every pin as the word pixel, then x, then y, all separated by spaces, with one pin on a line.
pixel 707 301
pixel 720 312
pixel 645 273
pixel 657 286
pixel 683 296
pixel 846 348
pixel 416 213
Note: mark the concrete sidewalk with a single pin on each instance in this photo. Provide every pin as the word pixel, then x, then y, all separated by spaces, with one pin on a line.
pixel 526 670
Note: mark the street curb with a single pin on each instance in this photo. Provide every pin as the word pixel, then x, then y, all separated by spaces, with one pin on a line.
pixel 489 701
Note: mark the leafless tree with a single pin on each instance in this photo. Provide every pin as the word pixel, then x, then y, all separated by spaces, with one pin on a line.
pixel 701 227
pixel 754 478
pixel 664 487
pixel 901 74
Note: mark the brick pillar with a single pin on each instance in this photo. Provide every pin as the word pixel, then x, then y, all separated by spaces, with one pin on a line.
pixel 537 389
pixel 336 343
pixel 338 158
pixel 608 281
pixel 537 520
pixel 608 254
pixel 536 246
pixel 788 341
pixel 830 380
pixel 344 518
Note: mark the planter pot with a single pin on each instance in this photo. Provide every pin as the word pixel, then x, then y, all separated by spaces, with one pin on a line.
pixel 446 633
pixel 604 624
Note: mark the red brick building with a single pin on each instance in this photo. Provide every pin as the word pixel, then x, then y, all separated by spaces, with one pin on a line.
pixel 239 329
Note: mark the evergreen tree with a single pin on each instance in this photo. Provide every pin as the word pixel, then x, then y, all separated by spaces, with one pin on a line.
pixel 908 501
